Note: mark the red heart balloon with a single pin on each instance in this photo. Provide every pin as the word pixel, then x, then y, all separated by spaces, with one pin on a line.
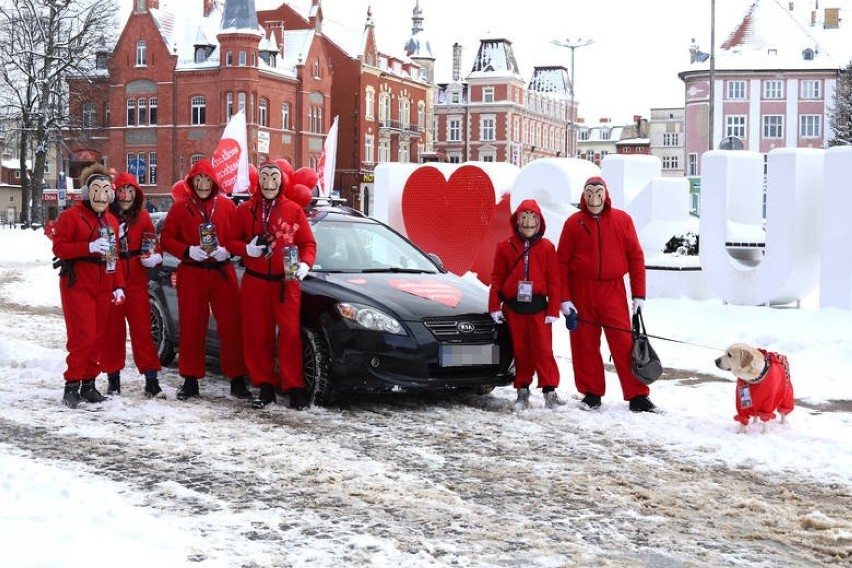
pixel 449 217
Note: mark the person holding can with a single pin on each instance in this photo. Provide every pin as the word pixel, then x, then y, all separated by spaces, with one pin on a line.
pixel 273 236
pixel 195 231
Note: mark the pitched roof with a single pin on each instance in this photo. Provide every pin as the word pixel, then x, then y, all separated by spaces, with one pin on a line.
pixel 495 57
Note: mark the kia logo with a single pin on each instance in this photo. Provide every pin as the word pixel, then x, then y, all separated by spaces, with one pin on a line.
pixel 465 327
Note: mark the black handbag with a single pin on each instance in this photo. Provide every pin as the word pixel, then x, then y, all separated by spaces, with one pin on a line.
pixel 646 364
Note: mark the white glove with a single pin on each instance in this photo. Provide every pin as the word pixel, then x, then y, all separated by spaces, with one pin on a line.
pixel 99 246
pixel 151 261
pixel 118 296
pixel 302 271
pixel 550 319
pixel 198 254
pixel 255 250
pixel 638 304
pixel 567 307
pixel 497 316
pixel 221 254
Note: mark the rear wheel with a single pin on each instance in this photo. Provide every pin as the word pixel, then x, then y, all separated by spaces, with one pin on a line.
pixel 160 333
pixel 317 366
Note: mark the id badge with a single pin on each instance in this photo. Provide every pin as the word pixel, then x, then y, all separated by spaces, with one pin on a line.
pixel 525 291
pixel 745 397
pixel 207 234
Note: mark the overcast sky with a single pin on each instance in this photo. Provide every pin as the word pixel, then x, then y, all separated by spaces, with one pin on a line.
pixel 632 66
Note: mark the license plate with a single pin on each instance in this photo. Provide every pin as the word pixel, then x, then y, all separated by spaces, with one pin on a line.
pixel 463 355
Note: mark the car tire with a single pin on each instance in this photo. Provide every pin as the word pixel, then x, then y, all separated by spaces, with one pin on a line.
pixel 160 334
pixel 317 367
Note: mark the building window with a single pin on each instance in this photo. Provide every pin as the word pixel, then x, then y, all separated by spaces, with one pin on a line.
pixel 88 115
pixel 773 126
pixel 692 164
pixel 316 68
pixel 369 150
pixel 404 153
pixel 195 158
pixel 488 94
pixel 143 111
pixel 384 150
pixel 671 163
pixel 131 112
pixel 229 105
pixel 405 113
pixel 384 109
pixel 285 116
pixel 199 111
pixel 810 126
pixel 152 168
pixel 315 119
pixel 671 139
pixel 583 135
pixel 736 90
pixel 141 53
pixel 421 116
pixel 263 112
pixel 455 97
pixel 773 90
pixel 106 115
pixel 735 125
pixel 487 156
pixel 243 59
pixel 369 104
pixel 241 102
pixel 488 129
pixel 152 110
pixel 454 130
pixel 812 89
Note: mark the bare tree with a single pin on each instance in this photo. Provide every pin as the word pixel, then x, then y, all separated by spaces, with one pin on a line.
pixel 841 116
pixel 41 43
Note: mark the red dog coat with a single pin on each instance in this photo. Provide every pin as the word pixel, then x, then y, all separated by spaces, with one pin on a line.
pixel 773 392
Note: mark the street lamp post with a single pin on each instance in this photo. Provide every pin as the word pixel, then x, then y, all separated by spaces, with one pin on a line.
pixel 572 45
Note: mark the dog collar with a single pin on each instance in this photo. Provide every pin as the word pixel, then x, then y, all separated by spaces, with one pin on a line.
pixel 763 373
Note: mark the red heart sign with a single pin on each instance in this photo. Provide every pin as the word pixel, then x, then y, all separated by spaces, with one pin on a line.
pixel 449 217
pixel 431 290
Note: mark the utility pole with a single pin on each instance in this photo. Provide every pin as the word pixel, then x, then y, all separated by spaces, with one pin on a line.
pixel 572 45
pixel 712 113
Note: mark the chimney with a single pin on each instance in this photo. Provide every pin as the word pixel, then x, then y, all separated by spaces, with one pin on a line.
pixel 604 120
pixel 457 51
pixel 208 7
pixel 832 18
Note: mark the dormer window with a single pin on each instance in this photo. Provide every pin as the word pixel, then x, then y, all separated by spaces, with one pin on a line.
pixel 101 61
pixel 808 54
pixel 200 54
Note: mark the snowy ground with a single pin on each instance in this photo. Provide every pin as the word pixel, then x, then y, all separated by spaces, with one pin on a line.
pixel 426 481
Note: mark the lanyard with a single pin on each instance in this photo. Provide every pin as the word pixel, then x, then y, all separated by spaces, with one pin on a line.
pixel 268 207
pixel 526 260
pixel 201 211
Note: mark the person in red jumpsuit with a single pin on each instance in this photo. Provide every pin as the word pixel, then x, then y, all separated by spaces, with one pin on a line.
pixel 525 291
pixel 266 224
pixel 598 246
pixel 85 247
pixel 195 231
pixel 137 253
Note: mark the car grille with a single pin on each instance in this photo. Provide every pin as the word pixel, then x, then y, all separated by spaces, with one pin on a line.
pixel 474 328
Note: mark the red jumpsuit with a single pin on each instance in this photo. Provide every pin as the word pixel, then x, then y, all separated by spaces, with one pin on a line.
pixel 136 308
pixel 595 252
pixel 85 287
pixel 532 339
pixel 204 286
pixel 267 299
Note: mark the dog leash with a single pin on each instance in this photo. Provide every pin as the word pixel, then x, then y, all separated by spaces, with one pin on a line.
pixel 630 331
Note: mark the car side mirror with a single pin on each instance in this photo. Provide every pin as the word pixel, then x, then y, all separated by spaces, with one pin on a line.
pixel 436 259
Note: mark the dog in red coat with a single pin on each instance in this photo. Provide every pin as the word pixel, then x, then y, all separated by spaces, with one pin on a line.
pixel 763 383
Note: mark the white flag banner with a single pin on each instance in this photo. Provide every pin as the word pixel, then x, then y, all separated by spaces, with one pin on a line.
pixel 230 159
pixel 326 165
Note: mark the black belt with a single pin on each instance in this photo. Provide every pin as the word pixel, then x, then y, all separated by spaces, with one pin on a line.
pixel 129 253
pixel 270 278
pixel 220 266
pixel 66 267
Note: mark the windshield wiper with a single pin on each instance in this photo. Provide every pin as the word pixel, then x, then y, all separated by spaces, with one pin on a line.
pixel 398 269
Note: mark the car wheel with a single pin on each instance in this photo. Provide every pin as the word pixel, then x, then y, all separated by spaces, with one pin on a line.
pixel 317 367
pixel 160 333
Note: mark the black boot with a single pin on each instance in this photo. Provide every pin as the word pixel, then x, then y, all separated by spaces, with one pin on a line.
pixel 266 397
pixel 72 394
pixel 642 404
pixel 298 399
pixel 189 389
pixel 89 392
pixel 152 386
pixel 114 383
pixel 239 388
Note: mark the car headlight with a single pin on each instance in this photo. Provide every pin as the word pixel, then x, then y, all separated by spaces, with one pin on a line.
pixel 370 318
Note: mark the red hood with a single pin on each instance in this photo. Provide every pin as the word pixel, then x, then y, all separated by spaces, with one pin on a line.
pixel 527 205
pixel 206 168
pixel 126 178
pixel 597 180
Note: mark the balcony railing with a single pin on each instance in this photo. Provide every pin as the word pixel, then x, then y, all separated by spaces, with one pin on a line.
pixel 388 124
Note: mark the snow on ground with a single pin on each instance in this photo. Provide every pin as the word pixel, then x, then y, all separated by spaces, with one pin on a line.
pixel 427 481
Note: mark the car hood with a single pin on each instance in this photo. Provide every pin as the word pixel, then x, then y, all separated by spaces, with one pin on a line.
pixel 407 296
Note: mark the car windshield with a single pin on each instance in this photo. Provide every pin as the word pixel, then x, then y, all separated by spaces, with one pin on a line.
pixel 365 247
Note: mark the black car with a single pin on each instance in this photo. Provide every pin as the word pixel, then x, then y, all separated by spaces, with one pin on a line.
pixel 378 314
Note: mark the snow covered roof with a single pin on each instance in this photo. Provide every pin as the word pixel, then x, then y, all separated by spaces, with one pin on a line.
pixel 776 34
pixel 239 16
pixel 495 57
pixel 550 80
